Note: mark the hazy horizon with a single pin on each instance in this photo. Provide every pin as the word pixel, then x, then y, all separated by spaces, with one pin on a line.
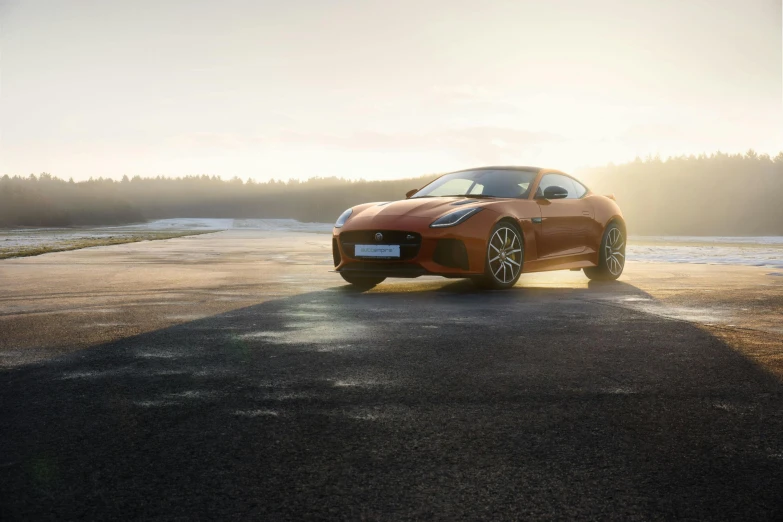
pixel 378 91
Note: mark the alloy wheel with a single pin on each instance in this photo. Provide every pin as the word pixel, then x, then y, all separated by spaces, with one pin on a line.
pixel 505 254
pixel 614 251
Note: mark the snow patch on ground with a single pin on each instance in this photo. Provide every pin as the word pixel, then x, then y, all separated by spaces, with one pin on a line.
pixel 271 225
pixel 750 240
pixel 16 239
pixel 766 251
pixel 749 251
pixel 178 224
pixel 282 225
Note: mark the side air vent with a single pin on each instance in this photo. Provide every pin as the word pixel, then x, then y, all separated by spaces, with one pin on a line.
pixel 451 253
pixel 335 252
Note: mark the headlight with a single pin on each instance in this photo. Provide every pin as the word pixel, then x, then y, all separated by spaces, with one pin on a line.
pixel 343 218
pixel 455 218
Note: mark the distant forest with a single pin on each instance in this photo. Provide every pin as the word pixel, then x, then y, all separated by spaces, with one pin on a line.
pixel 719 194
pixel 47 201
pixel 707 195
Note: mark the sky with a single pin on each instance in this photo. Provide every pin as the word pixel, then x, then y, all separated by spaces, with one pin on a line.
pixel 380 89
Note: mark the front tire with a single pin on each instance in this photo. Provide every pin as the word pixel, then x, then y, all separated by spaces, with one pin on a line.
pixel 611 256
pixel 505 254
pixel 361 282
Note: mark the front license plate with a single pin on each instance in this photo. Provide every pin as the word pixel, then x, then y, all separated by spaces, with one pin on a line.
pixel 377 251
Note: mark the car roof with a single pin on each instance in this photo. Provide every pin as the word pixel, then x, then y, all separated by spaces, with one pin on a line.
pixel 504 167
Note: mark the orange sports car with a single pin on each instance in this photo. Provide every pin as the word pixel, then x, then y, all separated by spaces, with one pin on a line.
pixel 488 224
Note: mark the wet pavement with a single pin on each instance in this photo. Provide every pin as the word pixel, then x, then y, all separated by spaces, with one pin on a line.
pixel 232 376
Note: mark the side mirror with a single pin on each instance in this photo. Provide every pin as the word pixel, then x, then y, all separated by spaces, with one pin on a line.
pixel 555 192
pixel 410 193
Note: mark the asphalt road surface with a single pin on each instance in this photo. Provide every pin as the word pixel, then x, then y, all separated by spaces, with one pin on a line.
pixel 231 376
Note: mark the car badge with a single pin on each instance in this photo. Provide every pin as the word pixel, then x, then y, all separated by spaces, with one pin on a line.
pixel 378 236
pixel 410 237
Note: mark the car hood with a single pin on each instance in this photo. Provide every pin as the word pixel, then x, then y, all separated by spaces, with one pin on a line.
pixel 419 207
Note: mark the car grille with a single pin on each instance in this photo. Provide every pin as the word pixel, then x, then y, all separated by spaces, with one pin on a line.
pixel 410 242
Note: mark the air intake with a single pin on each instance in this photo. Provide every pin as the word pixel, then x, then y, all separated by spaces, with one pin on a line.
pixel 335 252
pixel 451 253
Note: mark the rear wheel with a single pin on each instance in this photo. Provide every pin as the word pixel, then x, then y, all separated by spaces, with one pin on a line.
pixel 362 281
pixel 505 252
pixel 611 257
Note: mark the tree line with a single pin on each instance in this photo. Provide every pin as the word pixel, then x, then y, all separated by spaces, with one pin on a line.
pixel 48 201
pixel 717 194
pixel 707 195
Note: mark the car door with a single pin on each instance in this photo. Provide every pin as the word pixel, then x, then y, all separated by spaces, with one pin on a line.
pixel 564 222
pixel 588 226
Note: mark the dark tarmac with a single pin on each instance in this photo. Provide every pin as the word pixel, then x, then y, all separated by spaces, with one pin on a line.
pixel 162 381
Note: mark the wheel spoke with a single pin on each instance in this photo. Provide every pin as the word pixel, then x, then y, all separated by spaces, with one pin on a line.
pixel 494 259
pixel 512 261
pixel 496 248
pixel 615 268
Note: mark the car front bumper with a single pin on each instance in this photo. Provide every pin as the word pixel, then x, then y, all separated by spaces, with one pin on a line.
pixel 457 251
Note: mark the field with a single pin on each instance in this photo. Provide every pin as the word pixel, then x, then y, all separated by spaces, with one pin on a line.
pixel 231 374
pixel 751 251
pixel 35 241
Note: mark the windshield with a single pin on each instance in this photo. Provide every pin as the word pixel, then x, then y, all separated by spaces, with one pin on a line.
pixel 490 183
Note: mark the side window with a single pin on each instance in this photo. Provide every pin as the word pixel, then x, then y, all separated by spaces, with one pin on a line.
pixel 557 180
pixel 581 190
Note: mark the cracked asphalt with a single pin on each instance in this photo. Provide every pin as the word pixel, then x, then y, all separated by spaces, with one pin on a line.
pixel 231 376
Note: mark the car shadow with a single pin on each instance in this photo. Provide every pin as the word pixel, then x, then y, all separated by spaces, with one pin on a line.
pixel 442 402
